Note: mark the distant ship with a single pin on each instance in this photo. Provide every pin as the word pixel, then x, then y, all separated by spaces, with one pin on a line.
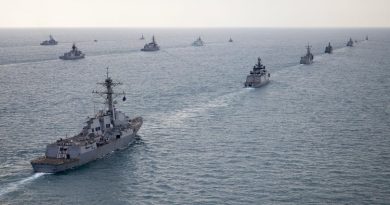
pixel 350 42
pixel 198 42
pixel 95 41
pixel 308 58
pixel 258 77
pixel 107 131
pixel 49 42
pixel 329 49
pixel 366 38
pixel 231 40
pixel 152 46
pixel 73 54
pixel 142 37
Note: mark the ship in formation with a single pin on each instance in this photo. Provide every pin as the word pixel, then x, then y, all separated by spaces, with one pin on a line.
pixel 142 37
pixel 108 130
pixel 350 43
pixel 49 42
pixel 258 77
pixel 328 49
pixel 73 54
pixel 198 42
pixel 230 40
pixel 308 58
pixel 152 46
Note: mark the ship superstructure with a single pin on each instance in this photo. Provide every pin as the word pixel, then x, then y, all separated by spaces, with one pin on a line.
pixel 152 46
pixel 308 58
pixel 198 42
pixel 350 43
pixel 49 42
pixel 73 54
pixel 329 49
pixel 258 77
pixel 107 131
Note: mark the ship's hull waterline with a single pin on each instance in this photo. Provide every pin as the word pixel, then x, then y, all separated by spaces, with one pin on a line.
pixel 256 85
pixel 71 58
pixel 54 165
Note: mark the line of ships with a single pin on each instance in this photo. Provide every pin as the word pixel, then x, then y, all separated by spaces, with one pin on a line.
pixel 259 76
pixel 110 129
pixel 75 53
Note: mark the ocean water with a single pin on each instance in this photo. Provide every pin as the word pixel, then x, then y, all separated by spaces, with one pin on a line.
pixel 317 134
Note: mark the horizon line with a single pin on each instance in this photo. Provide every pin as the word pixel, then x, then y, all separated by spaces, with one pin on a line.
pixel 195 27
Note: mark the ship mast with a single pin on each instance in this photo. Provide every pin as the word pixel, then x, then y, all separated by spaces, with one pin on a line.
pixel 308 49
pixel 108 94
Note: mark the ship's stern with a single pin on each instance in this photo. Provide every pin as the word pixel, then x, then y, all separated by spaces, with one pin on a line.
pixel 53 165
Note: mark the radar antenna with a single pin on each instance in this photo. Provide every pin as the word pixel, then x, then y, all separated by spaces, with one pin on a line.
pixel 108 94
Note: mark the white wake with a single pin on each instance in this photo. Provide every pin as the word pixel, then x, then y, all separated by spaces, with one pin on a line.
pixel 18 184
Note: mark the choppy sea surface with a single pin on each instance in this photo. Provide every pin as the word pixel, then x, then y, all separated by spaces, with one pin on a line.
pixel 317 134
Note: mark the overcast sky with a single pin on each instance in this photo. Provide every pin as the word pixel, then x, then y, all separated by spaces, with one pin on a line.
pixel 194 13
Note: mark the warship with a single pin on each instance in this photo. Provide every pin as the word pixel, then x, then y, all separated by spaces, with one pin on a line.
pixel 142 37
pixel 329 49
pixel 73 54
pixel 230 40
pixel 258 77
pixel 366 38
pixel 152 46
pixel 198 42
pixel 350 42
pixel 107 131
pixel 49 42
pixel 308 58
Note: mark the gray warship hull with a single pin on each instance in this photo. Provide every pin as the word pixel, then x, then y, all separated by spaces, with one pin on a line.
pixel 308 58
pixel 253 81
pixel 329 49
pixel 54 165
pixel 350 43
pixel 108 130
pixel 258 77
pixel 306 61
pixel 72 57
pixel 152 46
pixel 48 44
pixel 256 85
pixel 150 49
